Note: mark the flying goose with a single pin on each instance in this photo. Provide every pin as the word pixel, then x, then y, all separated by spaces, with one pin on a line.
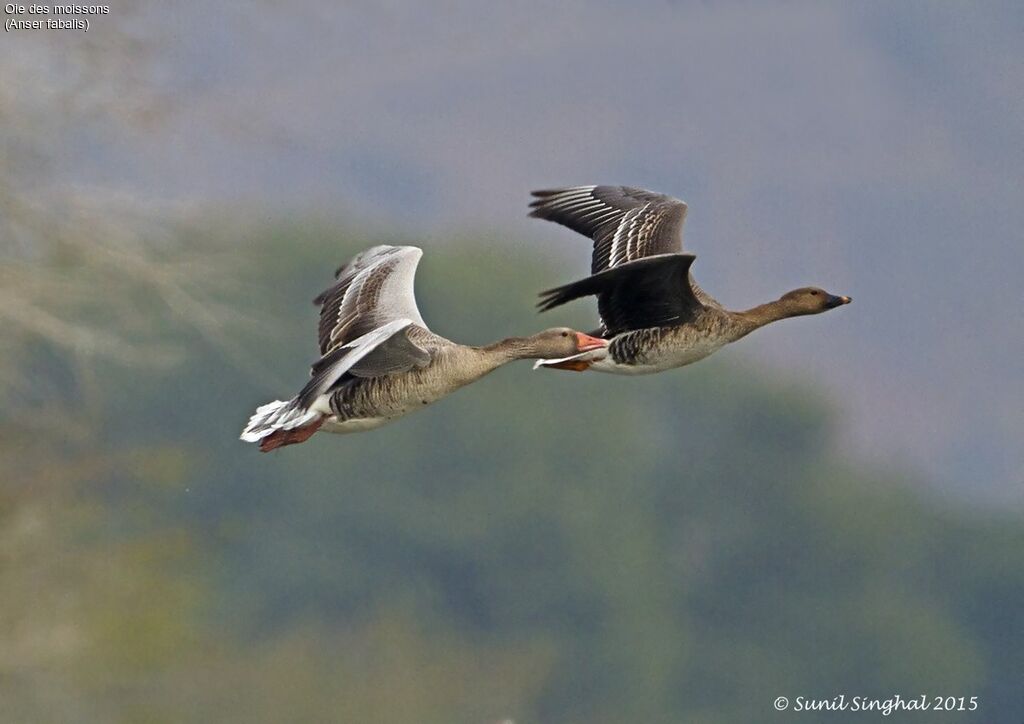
pixel 380 361
pixel 652 311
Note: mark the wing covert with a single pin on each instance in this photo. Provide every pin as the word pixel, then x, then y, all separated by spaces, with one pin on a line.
pixel 374 288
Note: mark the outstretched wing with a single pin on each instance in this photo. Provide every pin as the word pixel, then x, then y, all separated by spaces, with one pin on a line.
pixel 649 292
pixel 374 288
pixel 625 223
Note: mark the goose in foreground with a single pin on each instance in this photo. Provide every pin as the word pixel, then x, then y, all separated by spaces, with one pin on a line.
pixel 380 361
pixel 653 313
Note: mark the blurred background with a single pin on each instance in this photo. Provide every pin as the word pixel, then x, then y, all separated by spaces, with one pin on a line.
pixel 831 506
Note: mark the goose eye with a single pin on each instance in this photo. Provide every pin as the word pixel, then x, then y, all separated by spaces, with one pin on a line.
pixel 814 294
pixel 565 334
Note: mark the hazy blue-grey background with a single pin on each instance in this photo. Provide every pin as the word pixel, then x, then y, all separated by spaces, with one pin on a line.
pixel 871 148
pixel 832 506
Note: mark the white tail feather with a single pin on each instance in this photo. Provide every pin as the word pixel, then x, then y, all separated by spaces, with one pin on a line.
pixel 276 415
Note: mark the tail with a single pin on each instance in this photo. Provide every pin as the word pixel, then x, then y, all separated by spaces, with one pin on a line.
pixel 281 423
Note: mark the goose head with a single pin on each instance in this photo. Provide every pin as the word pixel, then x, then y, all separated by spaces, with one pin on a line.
pixel 562 342
pixel 810 300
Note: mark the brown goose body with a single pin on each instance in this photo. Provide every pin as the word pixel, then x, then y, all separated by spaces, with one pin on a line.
pixel 361 403
pixel 656 349
pixel 653 313
pixel 380 361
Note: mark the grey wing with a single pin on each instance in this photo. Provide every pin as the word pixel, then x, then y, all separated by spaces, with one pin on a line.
pixel 385 350
pixel 624 223
pixel 397 354
pixel 375 288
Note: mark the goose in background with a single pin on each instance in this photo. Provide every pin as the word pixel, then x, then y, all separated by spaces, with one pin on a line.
pixel 380 361
pixel 653 313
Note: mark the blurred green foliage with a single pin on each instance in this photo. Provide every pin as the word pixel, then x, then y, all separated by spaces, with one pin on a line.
pixel 544 547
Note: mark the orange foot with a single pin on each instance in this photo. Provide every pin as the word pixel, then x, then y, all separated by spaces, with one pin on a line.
pixel 576 365
pixel 280 438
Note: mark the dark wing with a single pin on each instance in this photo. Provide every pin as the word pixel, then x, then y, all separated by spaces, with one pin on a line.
pixel 650 292
pixel 375 288
pixel 625 223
